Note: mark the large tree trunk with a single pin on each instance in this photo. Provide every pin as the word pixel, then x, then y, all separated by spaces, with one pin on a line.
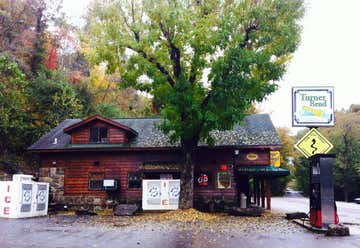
pixel 186 200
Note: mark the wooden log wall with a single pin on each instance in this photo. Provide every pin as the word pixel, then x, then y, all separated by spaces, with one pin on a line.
pixel 209 163
pixel 117 165
pixel 114 165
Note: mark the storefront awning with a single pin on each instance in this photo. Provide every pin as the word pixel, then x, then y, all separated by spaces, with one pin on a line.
pixel 262 171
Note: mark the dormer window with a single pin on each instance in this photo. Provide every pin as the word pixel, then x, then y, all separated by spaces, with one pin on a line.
pixel 99 130
pixel 98 135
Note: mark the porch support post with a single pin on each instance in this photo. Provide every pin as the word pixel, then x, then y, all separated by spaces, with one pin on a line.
pixel 248 192
pixel 254 190
pixel 258 192
pixel 262 193
pixel 268 194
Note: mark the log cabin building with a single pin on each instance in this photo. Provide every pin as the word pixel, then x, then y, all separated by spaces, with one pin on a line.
pixel 77 155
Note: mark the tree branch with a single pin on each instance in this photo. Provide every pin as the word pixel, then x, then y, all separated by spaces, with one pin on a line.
pixel 149 58
pixel 136 34
pixel 248 30
pixel 154 61
pixel 173 50
pixel 206 100
pixel 192 75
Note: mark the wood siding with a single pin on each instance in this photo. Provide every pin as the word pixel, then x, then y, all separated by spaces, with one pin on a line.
pixel 82 134
pixel 117 165
pixel 117 135
pixel 209 163
pixel 263 157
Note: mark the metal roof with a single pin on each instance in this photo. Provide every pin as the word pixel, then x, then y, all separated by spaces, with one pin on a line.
pixel 257 130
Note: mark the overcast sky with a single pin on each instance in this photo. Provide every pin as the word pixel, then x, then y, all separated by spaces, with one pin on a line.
pixel 327 56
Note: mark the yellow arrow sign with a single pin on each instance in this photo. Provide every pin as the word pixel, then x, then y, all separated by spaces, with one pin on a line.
pixel 313 143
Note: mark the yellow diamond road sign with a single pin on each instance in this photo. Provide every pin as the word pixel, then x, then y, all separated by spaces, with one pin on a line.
pixel 313 143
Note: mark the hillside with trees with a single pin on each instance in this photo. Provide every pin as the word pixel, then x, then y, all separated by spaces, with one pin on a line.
pixel 45 78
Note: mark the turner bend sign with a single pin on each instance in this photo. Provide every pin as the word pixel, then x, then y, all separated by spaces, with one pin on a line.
pixel 312 106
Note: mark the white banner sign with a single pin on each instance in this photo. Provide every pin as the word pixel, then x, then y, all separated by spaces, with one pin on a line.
pixel 312 106
pixel 160 194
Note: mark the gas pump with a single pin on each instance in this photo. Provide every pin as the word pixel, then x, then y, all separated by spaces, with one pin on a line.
pixel 322 204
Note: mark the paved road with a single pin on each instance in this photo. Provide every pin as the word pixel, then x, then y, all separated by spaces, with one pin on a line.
pixel 349 213
pixel 226 231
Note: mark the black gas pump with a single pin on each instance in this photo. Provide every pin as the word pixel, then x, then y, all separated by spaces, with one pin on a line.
pixel 322 204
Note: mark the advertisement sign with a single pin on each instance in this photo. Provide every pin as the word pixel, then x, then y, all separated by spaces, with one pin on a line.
pixel 160 194
pixel 252 156
pixel 312 106
pixel 23 197
pixel 203 180
pixel 275 158
pixel 26 197
pixel 224 180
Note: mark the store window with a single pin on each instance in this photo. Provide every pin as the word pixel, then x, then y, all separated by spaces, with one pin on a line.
pixel 134 180
pixel 96 180
pixel 204 180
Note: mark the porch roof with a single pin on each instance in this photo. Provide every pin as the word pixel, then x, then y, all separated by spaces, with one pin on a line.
pixel 262 171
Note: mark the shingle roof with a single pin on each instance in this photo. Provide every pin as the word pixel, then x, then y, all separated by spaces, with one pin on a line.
pixel 257 131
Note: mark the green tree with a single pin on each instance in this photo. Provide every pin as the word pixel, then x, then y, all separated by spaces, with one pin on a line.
pixel 278 185
pixel 345 136
pixel 85 97
pixel 13 107
pixel 52 100
pixel 108 110
pixel 205 62
pixel 302 175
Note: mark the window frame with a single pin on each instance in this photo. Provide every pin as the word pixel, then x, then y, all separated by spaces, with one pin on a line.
pixel 96 135
pixel 140 175
pixel 91 179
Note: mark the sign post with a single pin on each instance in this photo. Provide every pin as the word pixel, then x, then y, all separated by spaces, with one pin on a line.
pixel 314 107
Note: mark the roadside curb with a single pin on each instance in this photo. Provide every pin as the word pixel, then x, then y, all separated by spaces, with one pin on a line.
pixel 306 224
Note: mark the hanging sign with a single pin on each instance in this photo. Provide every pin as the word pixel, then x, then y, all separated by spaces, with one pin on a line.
pixel 275 158
pixel 313 143
pixel 312 106
pixel 252 156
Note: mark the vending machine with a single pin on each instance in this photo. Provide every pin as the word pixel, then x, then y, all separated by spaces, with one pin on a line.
pixel 322 204
pixel 22 197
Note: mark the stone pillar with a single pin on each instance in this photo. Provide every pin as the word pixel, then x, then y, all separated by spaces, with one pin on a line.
pixel 55 177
